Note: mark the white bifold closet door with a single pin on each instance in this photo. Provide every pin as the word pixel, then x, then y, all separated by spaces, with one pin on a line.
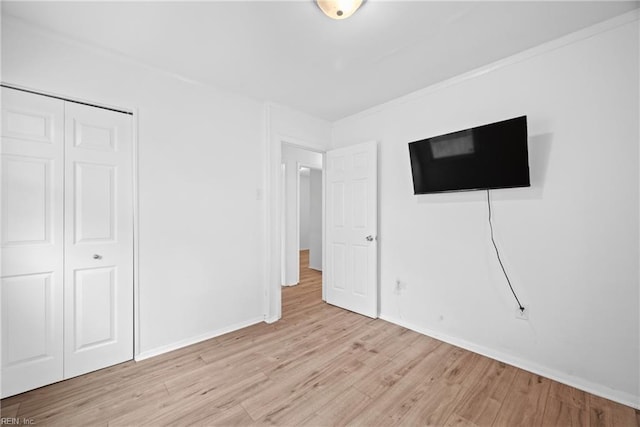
pixel 67 240
pixel 32 241
pixel 98 255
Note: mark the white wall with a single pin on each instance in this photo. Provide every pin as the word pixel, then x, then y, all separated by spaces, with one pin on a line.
pixel 315 219
pixel 293 157
pixel 569 243
pixel 201 162
pixel 284 126
pixel 305 199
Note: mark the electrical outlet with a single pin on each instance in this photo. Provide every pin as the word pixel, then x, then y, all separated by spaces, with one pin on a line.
pixel 522 314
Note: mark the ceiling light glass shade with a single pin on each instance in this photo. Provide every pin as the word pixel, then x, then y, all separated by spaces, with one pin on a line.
pixel 339 9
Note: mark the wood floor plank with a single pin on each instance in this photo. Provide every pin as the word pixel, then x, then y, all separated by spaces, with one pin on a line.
pixel 334 381
pixel 318 366
pixel 568 395
pixel 411 388
pixel 196 401
pixel 9 411
pixel 299 383
pixel 457 420
pixel 232 417
pixel 110 406
pixel 604 412
pixel 388 374
pixel 525 403
pixel 59 399
pixel 339 409
pixel 434 400
pixel 490 384
pixel 563 414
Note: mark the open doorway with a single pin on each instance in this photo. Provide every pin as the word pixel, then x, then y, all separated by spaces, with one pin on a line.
pixel 306 296
pixel 302 219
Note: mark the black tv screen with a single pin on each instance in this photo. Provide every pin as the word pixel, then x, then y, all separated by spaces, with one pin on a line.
pixel 484 157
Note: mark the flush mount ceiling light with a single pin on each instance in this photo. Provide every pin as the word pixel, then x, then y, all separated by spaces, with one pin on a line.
pixel 339 9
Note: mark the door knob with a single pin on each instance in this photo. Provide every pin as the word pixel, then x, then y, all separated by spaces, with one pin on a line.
pixel 96 256
pixel 369 238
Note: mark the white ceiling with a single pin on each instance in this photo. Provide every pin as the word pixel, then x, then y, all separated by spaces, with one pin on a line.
pixel 290 53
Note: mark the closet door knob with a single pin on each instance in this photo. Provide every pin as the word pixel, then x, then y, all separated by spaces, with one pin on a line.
pixel 96 256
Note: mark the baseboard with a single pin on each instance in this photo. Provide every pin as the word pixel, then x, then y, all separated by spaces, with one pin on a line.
pixel 271 319
pixel 196 339
pixel 527 365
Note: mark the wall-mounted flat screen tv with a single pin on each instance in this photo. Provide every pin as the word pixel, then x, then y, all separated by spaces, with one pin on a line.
pixel 484 157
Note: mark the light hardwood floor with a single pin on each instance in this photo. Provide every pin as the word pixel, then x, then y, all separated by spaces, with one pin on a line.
pixel 318 366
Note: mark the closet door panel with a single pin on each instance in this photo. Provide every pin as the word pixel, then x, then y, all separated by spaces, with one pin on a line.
pixel 95 207
pixel 94 297
pixel 98 239
pixel 32 241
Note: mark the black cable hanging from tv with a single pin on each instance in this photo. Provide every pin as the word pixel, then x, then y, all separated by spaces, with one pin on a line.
pixel 520 306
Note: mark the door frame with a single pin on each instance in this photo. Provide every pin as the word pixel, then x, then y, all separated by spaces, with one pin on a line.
pixel 272 307
pixel 133 111
pixel 296 236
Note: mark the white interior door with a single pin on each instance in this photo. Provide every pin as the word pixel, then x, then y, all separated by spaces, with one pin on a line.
pixel 351 218
pixel 32 241
pixel 98 239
